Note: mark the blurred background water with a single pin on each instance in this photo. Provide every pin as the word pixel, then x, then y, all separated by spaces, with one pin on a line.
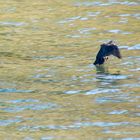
pixel 49 88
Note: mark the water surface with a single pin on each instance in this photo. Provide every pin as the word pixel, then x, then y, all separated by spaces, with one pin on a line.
pixel 49 88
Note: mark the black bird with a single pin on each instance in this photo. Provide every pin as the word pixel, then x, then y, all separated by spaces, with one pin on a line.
pixel 107 49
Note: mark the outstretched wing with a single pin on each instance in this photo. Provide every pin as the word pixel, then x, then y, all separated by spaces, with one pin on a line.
pixel 107 49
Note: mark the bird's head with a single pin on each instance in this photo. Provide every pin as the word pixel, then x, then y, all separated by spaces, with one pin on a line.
pixel 116 51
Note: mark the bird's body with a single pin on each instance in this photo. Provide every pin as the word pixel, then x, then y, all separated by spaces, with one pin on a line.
pixel 107 49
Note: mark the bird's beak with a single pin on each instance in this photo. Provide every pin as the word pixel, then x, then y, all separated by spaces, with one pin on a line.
pixel 117 54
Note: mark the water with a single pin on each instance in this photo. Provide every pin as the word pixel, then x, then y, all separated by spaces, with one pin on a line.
pixel 49 88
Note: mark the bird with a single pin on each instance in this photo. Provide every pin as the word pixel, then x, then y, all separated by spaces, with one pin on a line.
pixel 106 50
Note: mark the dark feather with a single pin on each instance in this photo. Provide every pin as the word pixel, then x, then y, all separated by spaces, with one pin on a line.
pixel 105 50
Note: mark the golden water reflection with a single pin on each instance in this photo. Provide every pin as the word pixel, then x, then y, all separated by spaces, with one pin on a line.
pixel 49 89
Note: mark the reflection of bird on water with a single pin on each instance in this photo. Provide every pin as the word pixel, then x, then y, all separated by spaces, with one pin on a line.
pixel 106 77
pixel 101 69
pixel 107 49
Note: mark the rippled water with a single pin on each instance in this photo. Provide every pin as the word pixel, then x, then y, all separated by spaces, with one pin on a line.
pixel 49 88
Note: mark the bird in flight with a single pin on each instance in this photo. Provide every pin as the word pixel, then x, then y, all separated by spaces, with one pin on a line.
pixel 107 49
